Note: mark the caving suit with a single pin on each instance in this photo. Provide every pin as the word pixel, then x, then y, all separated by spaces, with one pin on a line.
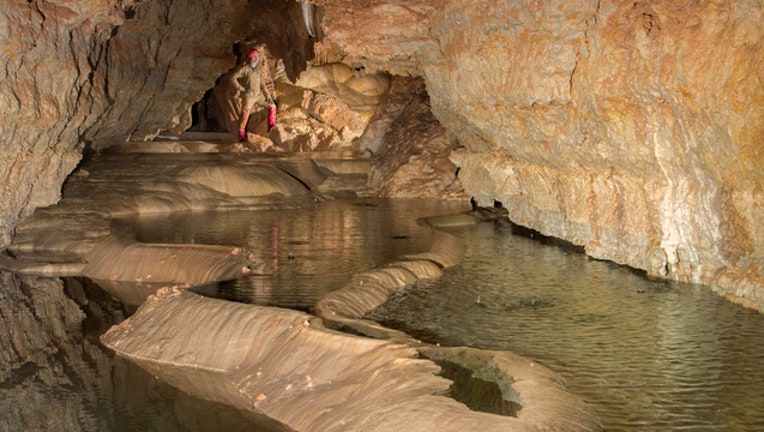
pixel 251 82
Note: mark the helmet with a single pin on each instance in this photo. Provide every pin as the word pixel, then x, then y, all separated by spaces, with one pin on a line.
pixel 251 54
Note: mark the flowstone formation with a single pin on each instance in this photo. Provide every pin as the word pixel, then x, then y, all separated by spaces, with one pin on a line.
pixel 88 75
pixel 266 360
pixel 630 128
pixel 256 360
pixel 633 129
pixel 88 233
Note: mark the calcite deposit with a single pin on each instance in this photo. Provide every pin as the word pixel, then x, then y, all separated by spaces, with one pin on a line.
pixel 287 366
pixel 631 128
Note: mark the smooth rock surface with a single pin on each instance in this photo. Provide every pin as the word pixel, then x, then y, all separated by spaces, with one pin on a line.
pixel 87 234
pixel 285 365
pixel 630 128
pixel 266 361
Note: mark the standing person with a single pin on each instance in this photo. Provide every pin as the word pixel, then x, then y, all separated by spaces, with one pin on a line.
pixel 252 80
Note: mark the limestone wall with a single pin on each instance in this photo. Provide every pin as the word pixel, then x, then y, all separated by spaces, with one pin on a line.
pixel 48 93
pixel 85 74
pixel 92 74
pixel 631 128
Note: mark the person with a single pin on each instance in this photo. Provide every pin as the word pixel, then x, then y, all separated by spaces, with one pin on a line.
pixel 252 80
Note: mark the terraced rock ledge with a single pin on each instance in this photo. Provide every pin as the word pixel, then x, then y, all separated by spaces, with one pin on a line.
pixel 333 371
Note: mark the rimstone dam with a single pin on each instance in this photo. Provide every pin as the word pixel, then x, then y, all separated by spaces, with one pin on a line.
pixel 316 215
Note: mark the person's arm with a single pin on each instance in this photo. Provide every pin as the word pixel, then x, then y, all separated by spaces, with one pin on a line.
pixel 235 79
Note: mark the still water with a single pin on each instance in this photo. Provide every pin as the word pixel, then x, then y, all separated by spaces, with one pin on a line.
pixel 648 355
pixel 328 242
pixel 304 252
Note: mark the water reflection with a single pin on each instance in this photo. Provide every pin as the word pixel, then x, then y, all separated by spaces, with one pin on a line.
pixel 76 384
pixel 303 252
pixel 646 354
pixel 57 376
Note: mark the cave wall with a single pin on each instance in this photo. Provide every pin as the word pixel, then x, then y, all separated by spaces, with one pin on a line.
pixel 85 75
pixel 162 59
pixel 50 95
pixel 82 75
pixel 631 128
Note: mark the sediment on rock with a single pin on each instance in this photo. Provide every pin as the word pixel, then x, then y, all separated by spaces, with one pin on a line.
pixel 271 360
pixel 371 288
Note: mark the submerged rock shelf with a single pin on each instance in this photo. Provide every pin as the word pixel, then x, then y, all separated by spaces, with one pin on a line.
pixel 291 366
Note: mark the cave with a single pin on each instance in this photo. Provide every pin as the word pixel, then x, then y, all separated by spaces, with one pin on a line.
pixel 630 132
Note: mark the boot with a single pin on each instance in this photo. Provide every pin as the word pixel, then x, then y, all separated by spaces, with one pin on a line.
pixel 271 116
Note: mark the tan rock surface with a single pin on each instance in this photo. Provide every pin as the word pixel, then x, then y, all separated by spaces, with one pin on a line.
pixel 285 365
pixel 327 108
pixel 620 127
pixel 92 74
pixel 413 155
pixel 83 235
pixel 633 129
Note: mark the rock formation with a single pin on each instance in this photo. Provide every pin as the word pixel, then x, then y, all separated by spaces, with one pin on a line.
pixel 287 365
pixel 88 75
pixel 412 155
pixel 633 129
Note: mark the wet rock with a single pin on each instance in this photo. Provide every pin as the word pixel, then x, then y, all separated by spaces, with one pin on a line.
pixel 591 134
pixel 131 271
pixel 268 360
pixel 369 289
pixel 96 74
pixel 539 392
pixel 452 220
pixel 82 235
pixel 40 326
pixel 575 115
pixel 242 181
pixel 630 129
pixel 413 158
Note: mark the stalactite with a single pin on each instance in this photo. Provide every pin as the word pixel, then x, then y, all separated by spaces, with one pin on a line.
pixel 307 17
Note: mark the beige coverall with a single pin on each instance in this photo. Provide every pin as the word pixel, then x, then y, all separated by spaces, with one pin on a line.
pixel 252 82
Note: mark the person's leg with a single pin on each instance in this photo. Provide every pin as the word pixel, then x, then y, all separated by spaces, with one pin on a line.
pixel 243 124
pixel 271 116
